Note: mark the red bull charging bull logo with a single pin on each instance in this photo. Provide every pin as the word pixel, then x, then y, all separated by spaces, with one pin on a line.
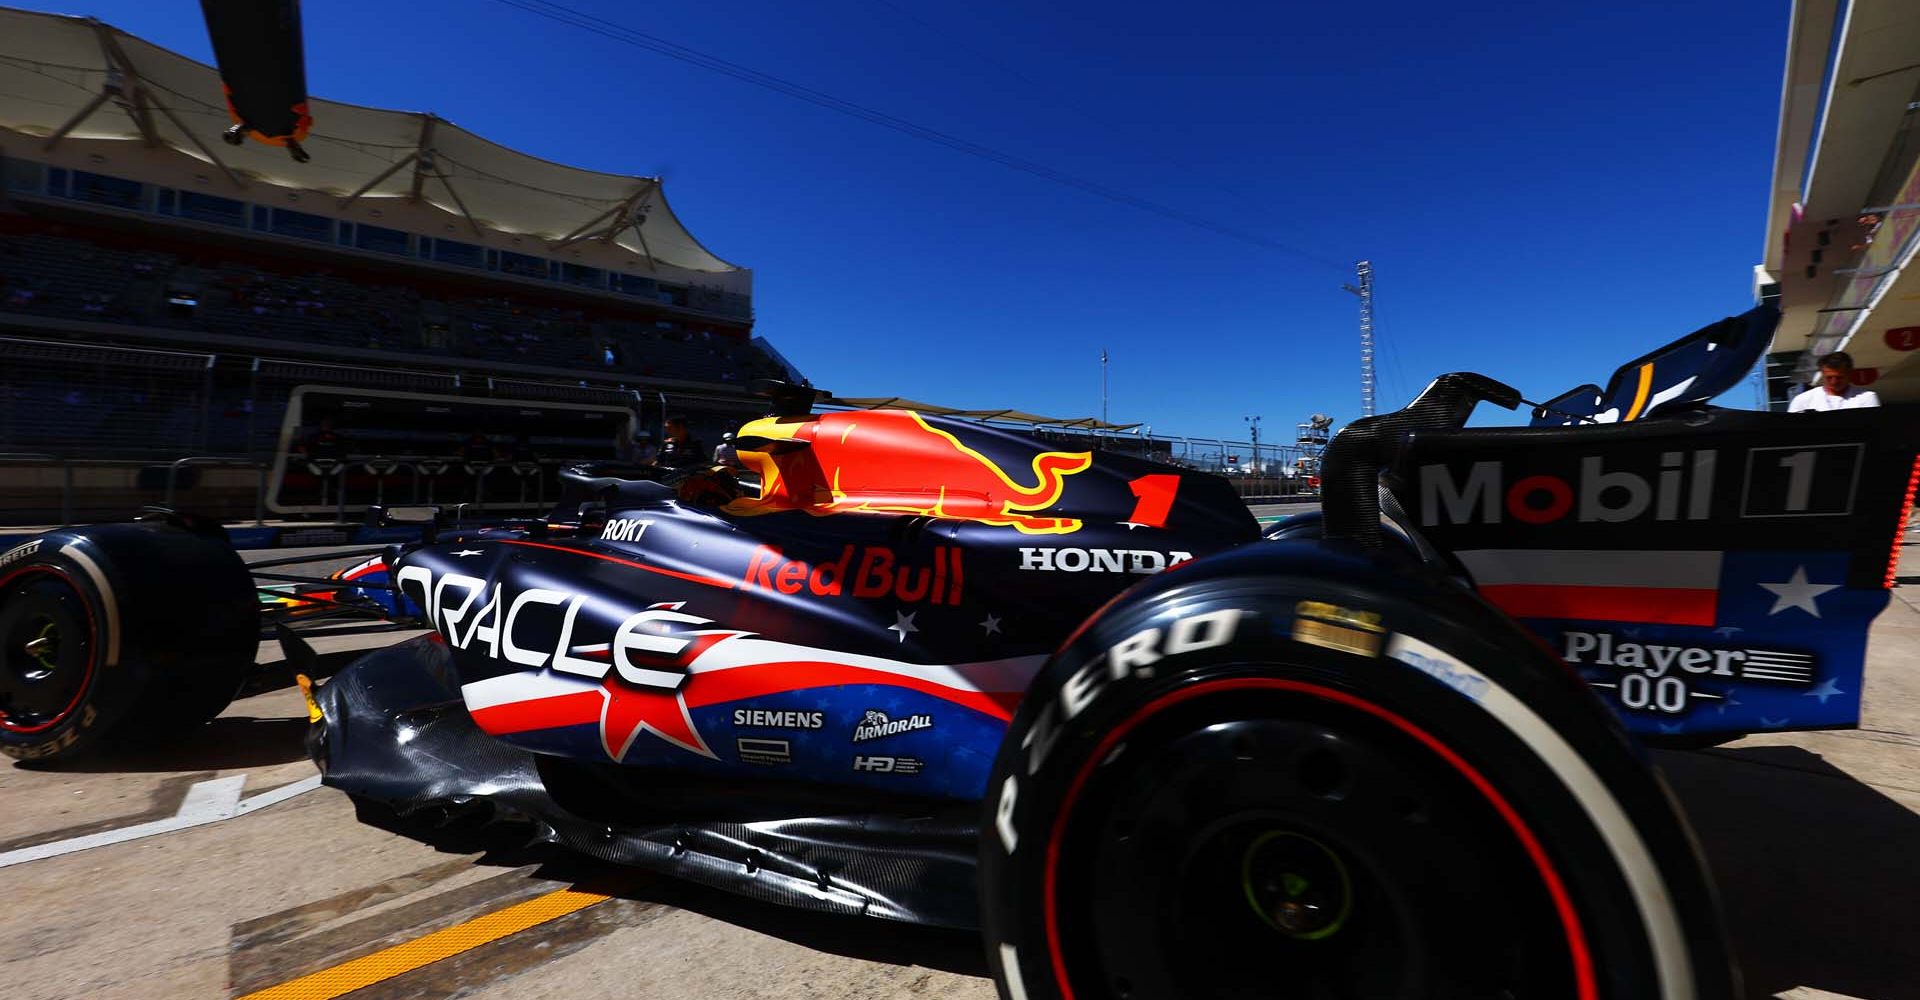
pixel 894 462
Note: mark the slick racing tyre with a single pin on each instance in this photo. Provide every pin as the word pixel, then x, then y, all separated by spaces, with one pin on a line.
pixel 119 632
pixel 1285 775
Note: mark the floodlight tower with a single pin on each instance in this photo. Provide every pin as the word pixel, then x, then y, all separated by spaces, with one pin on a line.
pixel 1364 272
pixel 1103 385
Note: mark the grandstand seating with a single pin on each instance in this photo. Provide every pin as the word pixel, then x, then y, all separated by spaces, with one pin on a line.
pixel 46 275
pixel 59 272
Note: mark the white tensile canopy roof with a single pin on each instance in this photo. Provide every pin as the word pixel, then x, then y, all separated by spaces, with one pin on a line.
pixel 56 74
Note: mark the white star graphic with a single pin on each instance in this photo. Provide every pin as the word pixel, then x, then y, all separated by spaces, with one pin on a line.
pixel 903 624
pixel 1134 524
pixel 1731 702
pixel 463 553
pixel 991 625
pixel 1797 593
pixel 1827 689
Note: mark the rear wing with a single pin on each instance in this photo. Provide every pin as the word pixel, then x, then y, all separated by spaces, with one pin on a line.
pixel 1711 574
pixel 1682 375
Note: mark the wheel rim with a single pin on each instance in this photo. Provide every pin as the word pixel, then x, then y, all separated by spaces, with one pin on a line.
pixel 1296 885
pixel 46 649
pixel 1277 845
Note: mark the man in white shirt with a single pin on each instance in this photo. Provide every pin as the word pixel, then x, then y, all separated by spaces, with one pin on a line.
pixel 1836 390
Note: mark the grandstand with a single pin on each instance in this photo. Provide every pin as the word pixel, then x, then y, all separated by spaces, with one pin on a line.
pixel 164 296
pixel 176 311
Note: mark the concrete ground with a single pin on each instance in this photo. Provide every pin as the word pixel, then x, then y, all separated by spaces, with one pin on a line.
pixel 1811 837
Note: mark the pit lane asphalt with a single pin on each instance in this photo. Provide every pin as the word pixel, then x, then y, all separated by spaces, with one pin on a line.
pixel 1811 836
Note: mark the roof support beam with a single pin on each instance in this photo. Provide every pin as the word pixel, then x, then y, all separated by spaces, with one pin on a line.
pixel 627 210
pixel 445 183
pixel 398 166
pixel 201 146
pixel 621 215
pixel 136 109
pixel 143 116
pixel 585 230
pixel 422 158
pixel 645 250
pixel 140 110
pixel 79 116
pixel 425 164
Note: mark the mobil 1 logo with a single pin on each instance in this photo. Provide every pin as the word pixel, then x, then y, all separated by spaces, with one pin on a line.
pixel 1814 480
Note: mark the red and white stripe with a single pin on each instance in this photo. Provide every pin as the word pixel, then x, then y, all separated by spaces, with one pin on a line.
pixel 748 666
pixel 1662 587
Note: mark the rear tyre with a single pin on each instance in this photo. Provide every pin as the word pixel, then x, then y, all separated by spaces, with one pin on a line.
pixel 1232 789
pixel 119 633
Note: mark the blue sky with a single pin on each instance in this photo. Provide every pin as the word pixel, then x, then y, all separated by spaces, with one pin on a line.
pixel 1545 190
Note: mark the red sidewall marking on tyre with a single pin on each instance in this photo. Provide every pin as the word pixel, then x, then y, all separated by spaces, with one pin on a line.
pixel 1576 938
pixel 93 654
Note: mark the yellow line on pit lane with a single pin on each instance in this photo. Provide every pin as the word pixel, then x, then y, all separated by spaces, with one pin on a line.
pixel 446 943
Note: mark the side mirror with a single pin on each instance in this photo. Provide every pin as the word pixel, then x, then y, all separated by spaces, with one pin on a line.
pixel 787 399
pixel 767 445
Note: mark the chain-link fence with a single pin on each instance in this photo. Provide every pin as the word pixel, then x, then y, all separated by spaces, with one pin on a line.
pixel 94 430
pixel 256 408
pixel 91 401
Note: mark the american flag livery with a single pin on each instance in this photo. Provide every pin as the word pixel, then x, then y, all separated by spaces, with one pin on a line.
pixel 1695 640
pixel 1659 587
pixel 638 724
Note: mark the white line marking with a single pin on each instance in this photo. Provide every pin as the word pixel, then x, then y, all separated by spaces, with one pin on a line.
pixel 1010 971
pixel 278 795
pixel 211 800
pixel 206 802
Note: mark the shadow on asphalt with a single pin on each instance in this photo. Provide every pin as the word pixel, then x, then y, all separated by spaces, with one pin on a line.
pixel 505 845
pixel 226 742
pixel 1816 871
pixel 508 845
pixel 865 938
pixel 279 674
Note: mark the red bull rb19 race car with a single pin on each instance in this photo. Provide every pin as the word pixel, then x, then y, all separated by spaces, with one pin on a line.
pixel 932 671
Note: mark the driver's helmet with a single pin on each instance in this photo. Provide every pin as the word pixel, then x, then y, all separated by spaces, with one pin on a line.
pixel 707 488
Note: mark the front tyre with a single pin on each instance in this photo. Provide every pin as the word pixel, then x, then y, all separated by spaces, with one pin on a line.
pixel 1293 787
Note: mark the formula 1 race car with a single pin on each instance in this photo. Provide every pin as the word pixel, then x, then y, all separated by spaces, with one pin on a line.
pixel 934 671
